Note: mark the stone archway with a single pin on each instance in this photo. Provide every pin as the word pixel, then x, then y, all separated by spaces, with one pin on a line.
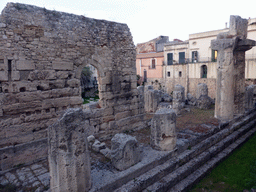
pixel 41 76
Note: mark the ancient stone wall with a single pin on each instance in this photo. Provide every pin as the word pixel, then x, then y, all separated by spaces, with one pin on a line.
pixel 42 54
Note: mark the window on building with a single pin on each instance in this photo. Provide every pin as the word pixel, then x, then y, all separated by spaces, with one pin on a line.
pixel 169 58
pixel 194 56
pixel 153 63
pixel 214 55
pixel 181 57
pixel 180 74
pixel 168 74
pixel 203 71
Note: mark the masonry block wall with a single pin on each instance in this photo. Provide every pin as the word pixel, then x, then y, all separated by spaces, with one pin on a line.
pixel 42 54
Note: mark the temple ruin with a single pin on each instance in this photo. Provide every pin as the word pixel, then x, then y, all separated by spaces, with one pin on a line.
pixel 42 116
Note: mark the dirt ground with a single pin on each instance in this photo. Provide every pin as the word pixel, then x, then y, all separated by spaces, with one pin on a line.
pixel 191 118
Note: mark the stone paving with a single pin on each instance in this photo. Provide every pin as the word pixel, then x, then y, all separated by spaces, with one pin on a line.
pixel 33 177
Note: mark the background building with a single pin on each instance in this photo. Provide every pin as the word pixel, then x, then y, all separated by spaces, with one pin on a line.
pixel 194 61
pixel 150 58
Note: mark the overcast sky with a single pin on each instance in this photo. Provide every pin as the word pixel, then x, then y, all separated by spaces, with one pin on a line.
pixel 148 19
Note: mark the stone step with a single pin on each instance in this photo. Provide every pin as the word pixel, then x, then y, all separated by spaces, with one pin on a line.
pixel 160 171
pixel 187 175
pixel 200 173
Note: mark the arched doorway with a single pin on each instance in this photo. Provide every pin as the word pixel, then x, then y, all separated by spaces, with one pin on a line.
pixel 89 84
pixel 203 71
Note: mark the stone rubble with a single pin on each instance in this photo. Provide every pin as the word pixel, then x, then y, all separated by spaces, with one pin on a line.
pixel 125 151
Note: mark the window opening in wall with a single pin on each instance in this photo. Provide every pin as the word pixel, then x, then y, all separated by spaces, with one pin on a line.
pixel 203 71
pixel 89 84
pixel 169 58
pixel 168 73
pixel 181 57
pixel 145 76
pixel 194 56
pixel 180 73
pixel 214 55
pixel 153 63
pixel 9 70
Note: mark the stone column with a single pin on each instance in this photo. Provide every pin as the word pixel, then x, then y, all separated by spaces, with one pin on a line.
pixel 178 98
pixel 202 90
pixel 69 158
pixel 163 130
pixel 151 99
pixel 230 90
pixel 249 97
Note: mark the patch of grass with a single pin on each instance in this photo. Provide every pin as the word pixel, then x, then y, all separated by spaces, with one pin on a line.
pixel 236 173
pixel 89 99
pixel 196 117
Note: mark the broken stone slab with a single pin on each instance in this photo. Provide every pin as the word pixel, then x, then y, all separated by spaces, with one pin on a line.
pixel 164 105
pixel 125 151
pixel 204 102
pixel 106 152
pixel 97 146
pixel 191 99
pixel 163 130
pixel 91 140
pixel 2 25
pixel 166 97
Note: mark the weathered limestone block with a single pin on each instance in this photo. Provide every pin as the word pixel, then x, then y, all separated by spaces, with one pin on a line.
pixel 62 65
pixel 25 65
pixel 202 89
pixel 191 99
pixel 203 100
pixel 151 99
pixel 97 146
pixel 125 151
pixel 3 76
pixel 163 130
pixel 166 97
pixel 249 104
pixel 69 158
pixel 178 100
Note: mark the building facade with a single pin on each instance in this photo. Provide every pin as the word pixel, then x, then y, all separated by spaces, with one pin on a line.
pixel 150 58
pixel 194 61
